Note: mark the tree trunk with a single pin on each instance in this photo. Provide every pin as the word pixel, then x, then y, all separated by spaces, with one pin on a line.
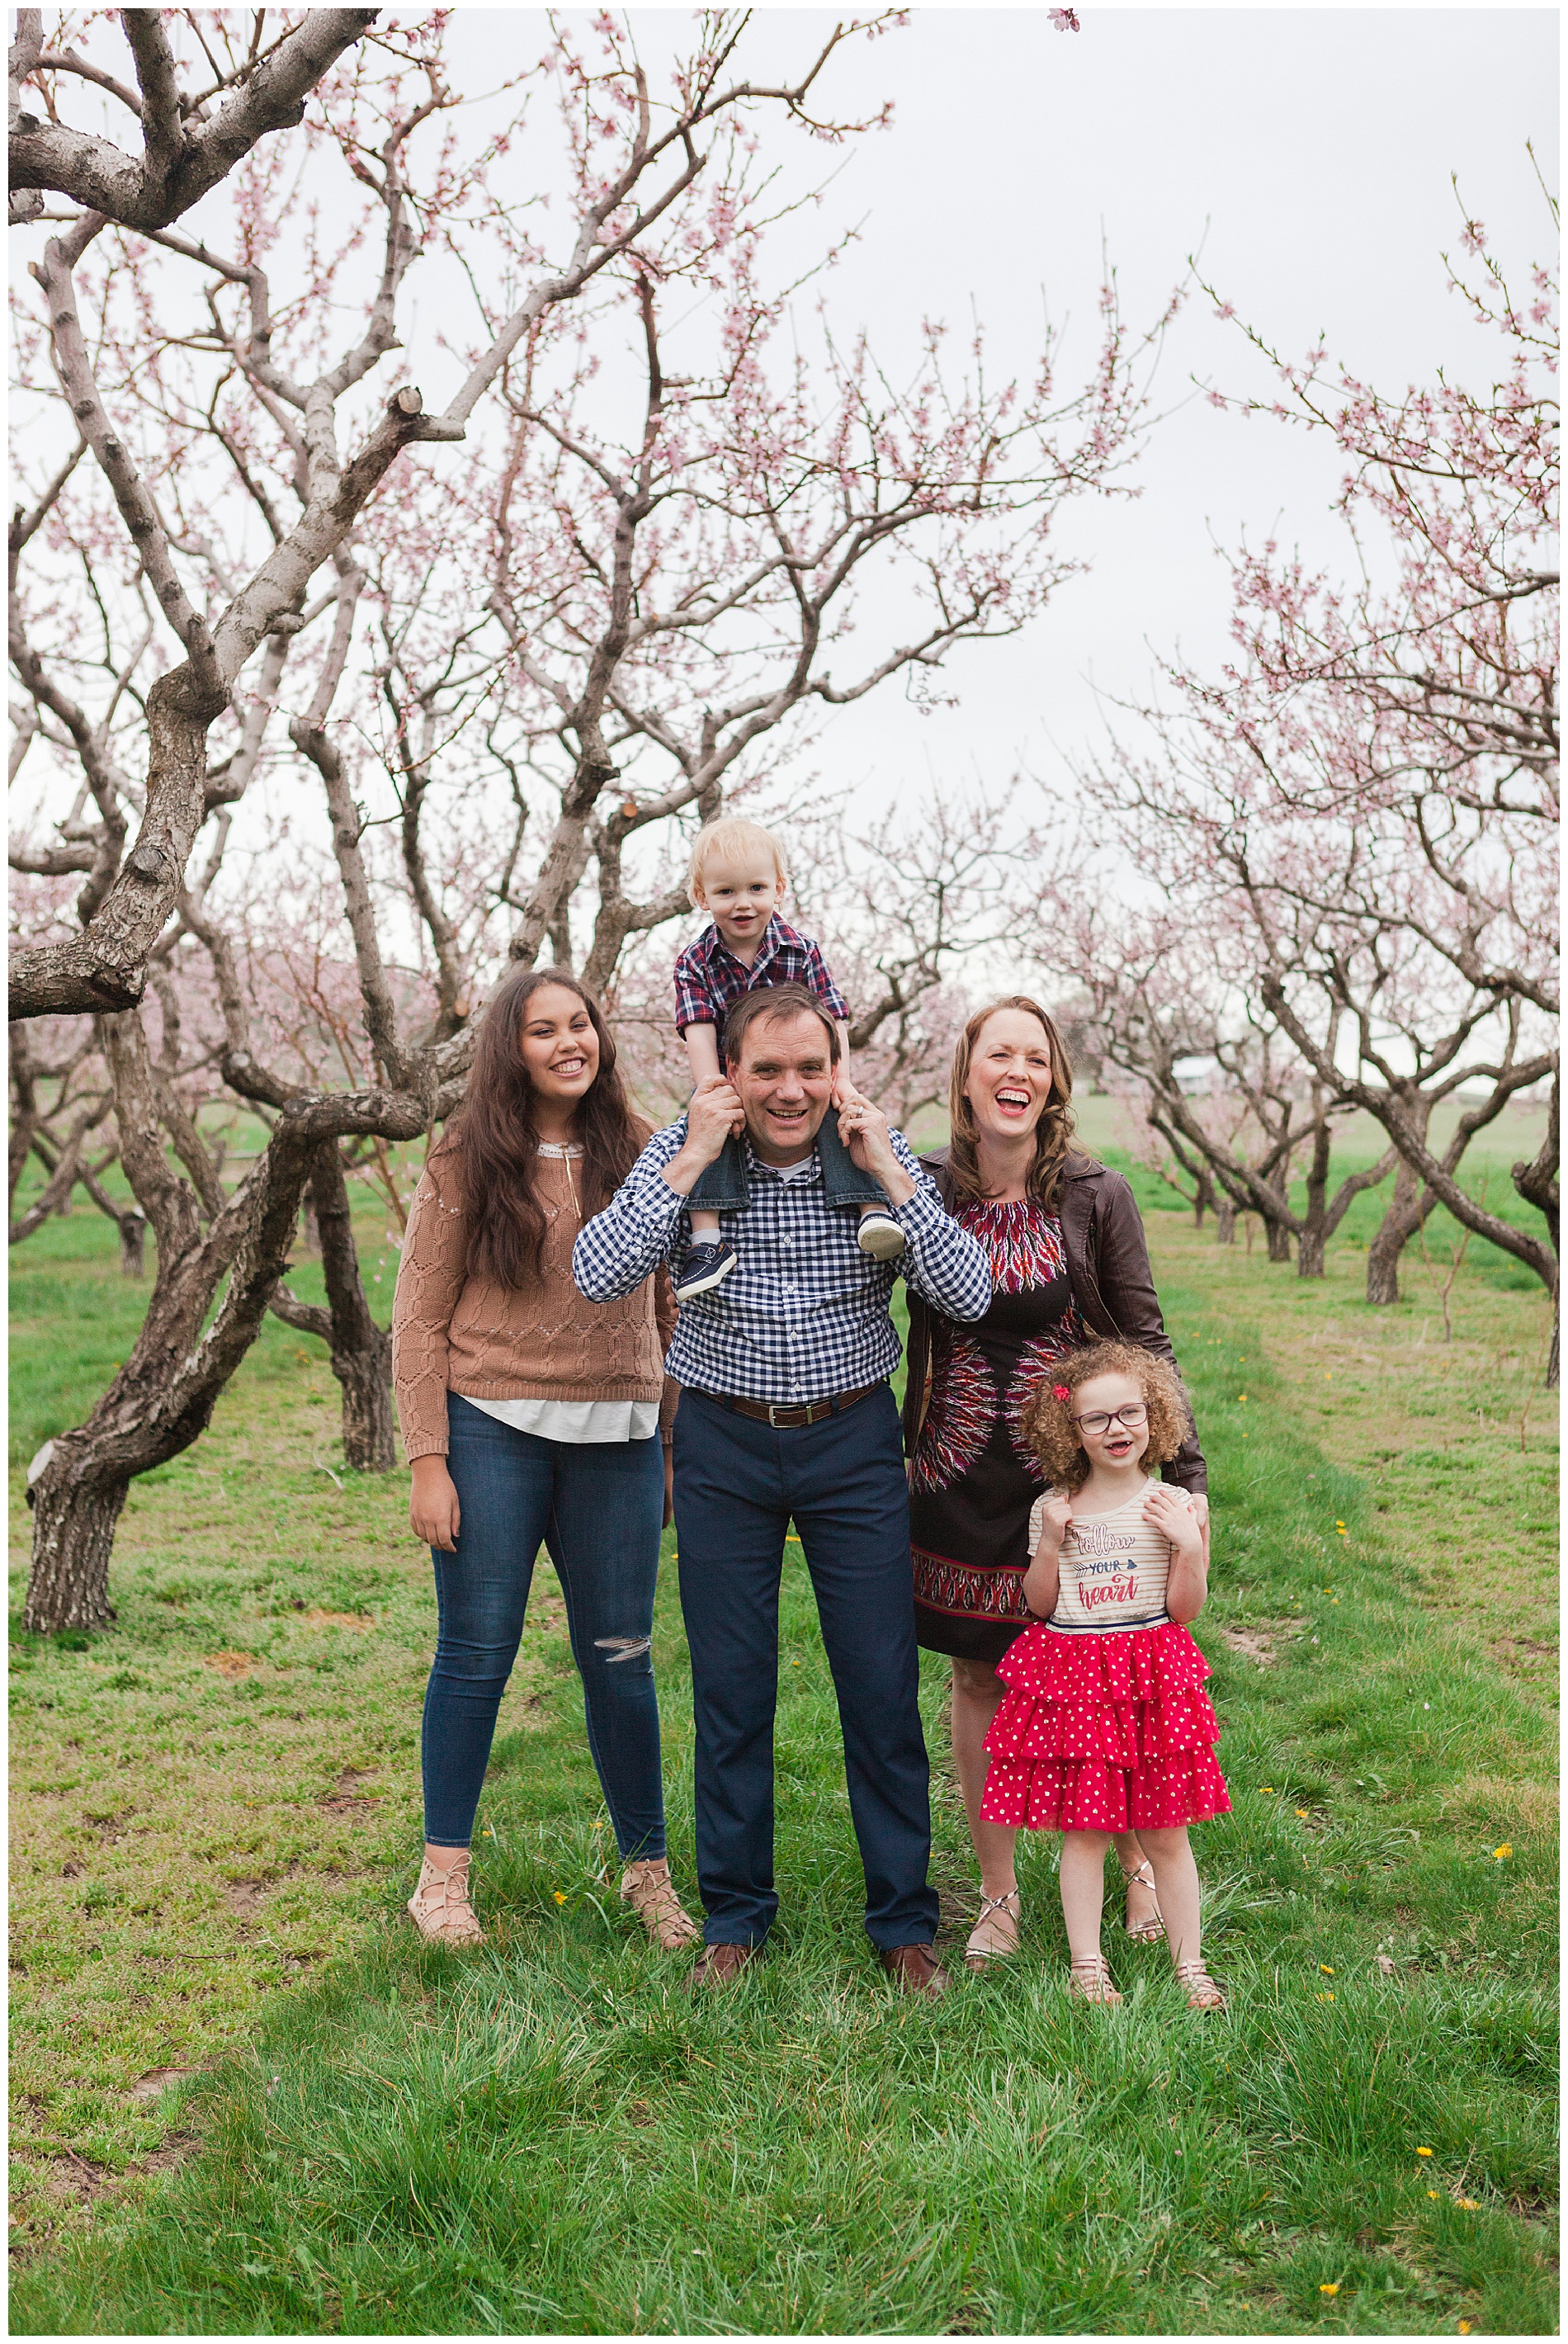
pixel 75 1510
pixel 1224 1221
pixel 366 1376
pixel 133 1228
pixel 1311 1251
pixel 362 1351
pixel 1279 1237
pixel 1407 1210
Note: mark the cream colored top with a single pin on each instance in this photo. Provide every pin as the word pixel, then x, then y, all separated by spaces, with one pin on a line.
pixel 1113 1568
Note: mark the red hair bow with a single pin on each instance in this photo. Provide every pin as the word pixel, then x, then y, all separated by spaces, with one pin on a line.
pixel 1061 1391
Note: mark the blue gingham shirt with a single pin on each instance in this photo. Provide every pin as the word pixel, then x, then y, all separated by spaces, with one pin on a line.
pixel 805 1313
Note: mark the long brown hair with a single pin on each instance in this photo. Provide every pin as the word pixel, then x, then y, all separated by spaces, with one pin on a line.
pixel 497 1147
pixel 1052 1133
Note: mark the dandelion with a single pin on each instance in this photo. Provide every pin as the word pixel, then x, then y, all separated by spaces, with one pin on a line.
pixel 1329 2286
pixel 1241 1395
pixel 1464 2327
pixel 1325 1968
pixel 559 1897
pixel 1470 2205
pixel 1268 1790
pixel 1303 1813
pixel 1432 2193
pixel 1423 2152
pixel 1501 1855
pixel 488 1832
pixel 1325 1997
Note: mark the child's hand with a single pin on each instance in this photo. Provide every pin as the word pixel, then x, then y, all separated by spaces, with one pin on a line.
pixel 1056 1522
pixel 1171 1511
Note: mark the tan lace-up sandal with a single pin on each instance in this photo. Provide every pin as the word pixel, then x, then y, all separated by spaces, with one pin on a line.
pixel 1090 1980
pixel 981 1951
pixel 1152 1928
pixel 440 1906
pixel 648 1888
pixel 1200 1988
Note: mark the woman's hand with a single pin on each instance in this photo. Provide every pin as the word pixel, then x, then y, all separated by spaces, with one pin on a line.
pixel 434 1513
pixel 669 1486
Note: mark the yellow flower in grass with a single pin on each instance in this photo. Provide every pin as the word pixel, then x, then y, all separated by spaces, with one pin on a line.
pixel 1501 1855
pixel 1423 2152
pixel 1325 1997
pixel 1432 2193
pixel 1470 2205
pixel 1326 1969
pixel 1304 1813
pixel 1464 2327
pixel 560 1897
pixel 1329 2286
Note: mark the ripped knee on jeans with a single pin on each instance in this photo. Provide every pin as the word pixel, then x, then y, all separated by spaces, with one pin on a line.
pixel 623 1648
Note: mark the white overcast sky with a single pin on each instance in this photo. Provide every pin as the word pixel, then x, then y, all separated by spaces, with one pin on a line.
pixel 1308 152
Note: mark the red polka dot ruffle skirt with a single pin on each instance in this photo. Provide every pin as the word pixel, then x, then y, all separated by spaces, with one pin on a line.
pixel 1104 1733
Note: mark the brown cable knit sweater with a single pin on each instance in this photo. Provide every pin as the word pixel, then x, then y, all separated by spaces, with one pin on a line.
pixel 452 1332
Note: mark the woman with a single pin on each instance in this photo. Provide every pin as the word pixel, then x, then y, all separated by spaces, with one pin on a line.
pixel 1069 1264
pixel 530 1416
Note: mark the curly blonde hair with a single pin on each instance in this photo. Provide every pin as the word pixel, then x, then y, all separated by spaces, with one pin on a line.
pixel 1047 1424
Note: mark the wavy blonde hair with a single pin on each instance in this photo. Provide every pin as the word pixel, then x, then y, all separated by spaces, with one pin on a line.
pixel 1052 1133
pixel 1047 1424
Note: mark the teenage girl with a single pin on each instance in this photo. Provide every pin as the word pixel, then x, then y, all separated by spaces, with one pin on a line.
pixel 1105 1726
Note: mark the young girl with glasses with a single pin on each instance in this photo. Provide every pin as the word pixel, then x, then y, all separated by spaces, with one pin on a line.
pixel 1105 1726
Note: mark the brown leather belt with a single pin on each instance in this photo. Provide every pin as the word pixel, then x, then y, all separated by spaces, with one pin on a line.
pixel 782 1417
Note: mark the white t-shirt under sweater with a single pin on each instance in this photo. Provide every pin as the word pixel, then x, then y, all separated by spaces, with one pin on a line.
pixel 1113 1568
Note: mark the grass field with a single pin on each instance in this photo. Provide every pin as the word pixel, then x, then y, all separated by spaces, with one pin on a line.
pixel 246 2101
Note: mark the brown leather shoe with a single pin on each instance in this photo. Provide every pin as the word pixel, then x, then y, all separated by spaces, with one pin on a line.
pixel 718 1965
pixel 915 1967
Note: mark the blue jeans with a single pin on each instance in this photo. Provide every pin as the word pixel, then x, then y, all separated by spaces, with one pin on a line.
pixel 723 1186
pixel 598 1509
pixel 738 1483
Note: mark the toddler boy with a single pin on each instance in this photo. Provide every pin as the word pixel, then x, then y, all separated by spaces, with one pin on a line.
pixel 738 876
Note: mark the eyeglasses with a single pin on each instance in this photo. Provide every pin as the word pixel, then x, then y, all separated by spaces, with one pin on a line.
pixel 1133 1417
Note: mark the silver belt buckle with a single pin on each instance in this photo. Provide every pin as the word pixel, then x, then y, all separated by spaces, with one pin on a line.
pixel 773 1424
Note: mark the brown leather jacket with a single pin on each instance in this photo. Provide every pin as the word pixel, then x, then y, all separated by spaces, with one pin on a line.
pixel 1112 1284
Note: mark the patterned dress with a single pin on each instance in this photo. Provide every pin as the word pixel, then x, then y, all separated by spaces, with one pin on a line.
pixel 971 1481
pixel 1106 1726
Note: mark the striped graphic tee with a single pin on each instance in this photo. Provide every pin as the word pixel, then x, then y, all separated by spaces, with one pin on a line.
pixel 1113 1570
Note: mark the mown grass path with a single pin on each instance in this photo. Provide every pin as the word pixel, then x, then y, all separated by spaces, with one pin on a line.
pixel 549 2136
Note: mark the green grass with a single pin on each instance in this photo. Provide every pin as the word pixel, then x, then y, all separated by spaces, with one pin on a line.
pixel 547 2136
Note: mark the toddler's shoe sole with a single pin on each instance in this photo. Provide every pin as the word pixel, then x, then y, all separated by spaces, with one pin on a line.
pixel 881 1236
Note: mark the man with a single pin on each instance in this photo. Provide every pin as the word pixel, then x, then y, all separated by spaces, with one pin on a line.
pixel 786 1414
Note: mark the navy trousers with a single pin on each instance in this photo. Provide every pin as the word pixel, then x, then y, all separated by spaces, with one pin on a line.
pixel 738 1485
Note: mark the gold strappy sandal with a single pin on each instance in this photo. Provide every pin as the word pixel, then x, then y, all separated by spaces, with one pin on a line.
pixel 648 1888
pixel 1148 1932
pixel 1090 1981
pixel 1011 1908
pixel 1200 1988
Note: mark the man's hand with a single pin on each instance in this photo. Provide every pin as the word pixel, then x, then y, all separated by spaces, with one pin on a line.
pixel 434 1513
pixel 714 1114
pixel 864 1131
